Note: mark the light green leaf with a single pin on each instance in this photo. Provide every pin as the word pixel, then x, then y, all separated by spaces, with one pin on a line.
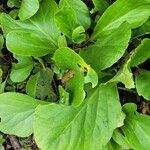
pixel 1 41
pixel 30 44
pixel 141 53
pixel 89 126
pixel 100 5
pixel 78 35
pixel 22 69
pixel 136 129
pixel 41 26
pixel 64 96
pixel 133 11
pixel 109 48
pixel 124 76
pixel 62 41
pixel 142 81
pixel 66 20
pixel 75 66
pixel 80 9
pixel 17 113
pixel 28 9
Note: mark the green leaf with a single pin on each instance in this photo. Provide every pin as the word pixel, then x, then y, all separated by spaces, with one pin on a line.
pixel 80 9
pixel 100 5
pixel 22 69
pixel 142 81
pixel 30 44
pixel 17 113
pixel 1 73
pixel 141 53
pixel 40 27
pixel 14 3
pixel 39 85
pixel 89 126
pixel 133 11
pixel 74 66
pixel 2 140
pixel 142 30
pixel 124 76
pixel 32 85
pixel 64 96
pixel 109 48
pixel 136 128
pixel 112 145
pixel 28 9
pixel 78 35
pixel 120 139
pixel 14 13
pixel 1 41
pixel 62 41
pixel 66 20
pixel 2 84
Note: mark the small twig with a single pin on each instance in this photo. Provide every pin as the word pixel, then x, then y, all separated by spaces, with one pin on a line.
pixel 125 89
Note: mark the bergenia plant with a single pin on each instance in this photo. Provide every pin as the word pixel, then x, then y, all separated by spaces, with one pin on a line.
pixel 76 74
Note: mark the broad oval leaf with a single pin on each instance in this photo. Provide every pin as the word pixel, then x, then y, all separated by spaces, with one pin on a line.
pixel 41 27
pixel 133 11
pixel 142 81
pixel 22 69
pixel 109 48
pixel 28 44
pixel 89 126
pixel 28 8
pixel 17 113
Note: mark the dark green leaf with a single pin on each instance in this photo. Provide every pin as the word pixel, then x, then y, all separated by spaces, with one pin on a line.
pixel 1 41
